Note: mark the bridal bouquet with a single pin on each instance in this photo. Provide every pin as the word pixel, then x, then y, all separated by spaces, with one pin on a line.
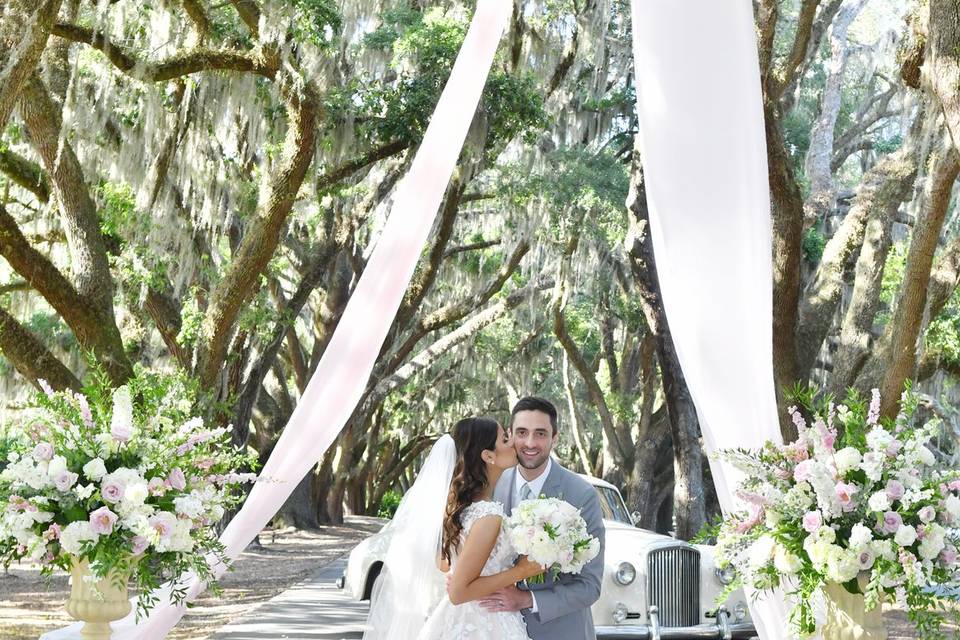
pixel 552 532
pixel 124 479
pixel 853 495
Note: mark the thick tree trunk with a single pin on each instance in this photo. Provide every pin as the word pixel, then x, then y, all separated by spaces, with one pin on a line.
pixel 903 331
pixel 787 211
pixel 884 186
pixel 944 61
pixel 640 487
pixel 31 358
pixel 685 427
pixel 856 332
pixel 300 509
pixel 820 152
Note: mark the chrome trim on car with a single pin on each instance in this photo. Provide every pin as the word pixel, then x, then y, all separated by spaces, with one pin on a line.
pixel 673 585
pixel 722 630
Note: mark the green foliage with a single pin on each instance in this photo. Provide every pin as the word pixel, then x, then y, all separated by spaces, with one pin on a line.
pixel 893 272
pixel 813 243
pixel 424 47
pixel 317 21
pixel 388 504
pixel 117 208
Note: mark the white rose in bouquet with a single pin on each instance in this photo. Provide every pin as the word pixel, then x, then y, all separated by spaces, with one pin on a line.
pixel 552 532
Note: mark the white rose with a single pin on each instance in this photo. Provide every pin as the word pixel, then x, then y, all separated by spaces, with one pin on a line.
pixel 860 536
pixel 56 465
pixel 905 536
pixel 846 459
pixel 84 491
pixel 884 548
pixel 761 551
pixel 952 505
pixel 95 470
pixel 879 502
pixel 926 456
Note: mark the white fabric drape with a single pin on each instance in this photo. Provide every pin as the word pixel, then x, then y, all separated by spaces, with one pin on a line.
pixel 703 151
pixel 339 381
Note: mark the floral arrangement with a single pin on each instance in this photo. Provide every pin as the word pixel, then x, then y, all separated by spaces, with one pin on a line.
pixel 854 495
pixel 552 532
pixel 126 479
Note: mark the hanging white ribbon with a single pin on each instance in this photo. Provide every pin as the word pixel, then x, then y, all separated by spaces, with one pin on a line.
pixel 703 150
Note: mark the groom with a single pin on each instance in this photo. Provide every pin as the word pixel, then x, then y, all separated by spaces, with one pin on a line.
pixel 557 609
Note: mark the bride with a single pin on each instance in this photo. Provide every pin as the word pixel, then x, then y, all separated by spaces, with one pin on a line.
pixel 448 521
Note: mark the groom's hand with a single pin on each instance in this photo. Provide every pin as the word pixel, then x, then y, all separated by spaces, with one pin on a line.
pixel 507 599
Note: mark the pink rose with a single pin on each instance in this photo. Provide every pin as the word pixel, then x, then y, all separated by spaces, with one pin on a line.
pixel 954 485
pixel 844 494
pixel 112 490
pixel 43 451
pixel 801 473
pixel 156 487
pixel 102 521
pixel 177 480
pixel 139 544
pixel 895 490
pixel 65 480
pixel 812 521
pixel 892 521
pixel 949 555
pixel 927 514
pixel 162 523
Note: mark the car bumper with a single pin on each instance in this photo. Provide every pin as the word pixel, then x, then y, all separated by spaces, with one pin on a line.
pixel 732 631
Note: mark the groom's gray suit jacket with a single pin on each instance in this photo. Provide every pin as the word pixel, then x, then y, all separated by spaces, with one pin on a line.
pixel 563 606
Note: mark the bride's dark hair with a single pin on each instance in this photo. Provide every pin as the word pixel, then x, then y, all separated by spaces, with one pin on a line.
pixel 471 436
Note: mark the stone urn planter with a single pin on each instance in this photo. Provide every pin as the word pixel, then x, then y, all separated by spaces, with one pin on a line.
pixel 97 603
pixel 847 617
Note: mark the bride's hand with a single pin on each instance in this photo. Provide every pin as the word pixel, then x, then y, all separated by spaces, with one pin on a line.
pixel 528 568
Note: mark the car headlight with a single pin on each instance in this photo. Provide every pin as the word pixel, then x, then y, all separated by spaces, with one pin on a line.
pixel 726 574
pixel 626 573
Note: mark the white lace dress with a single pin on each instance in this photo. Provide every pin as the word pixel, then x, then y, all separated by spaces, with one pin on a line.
pixel 469 621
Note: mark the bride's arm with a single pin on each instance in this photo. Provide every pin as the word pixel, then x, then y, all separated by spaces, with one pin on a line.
pixel 466 584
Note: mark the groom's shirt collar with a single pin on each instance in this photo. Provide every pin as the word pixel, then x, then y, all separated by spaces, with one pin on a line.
pixel 536 485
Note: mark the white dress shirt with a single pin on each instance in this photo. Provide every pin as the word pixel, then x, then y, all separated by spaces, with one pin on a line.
pixel 536 485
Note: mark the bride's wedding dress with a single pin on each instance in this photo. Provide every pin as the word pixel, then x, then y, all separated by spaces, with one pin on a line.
pixel 469 621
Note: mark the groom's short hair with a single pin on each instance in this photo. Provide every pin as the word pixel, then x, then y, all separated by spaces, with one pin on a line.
pixel 533 403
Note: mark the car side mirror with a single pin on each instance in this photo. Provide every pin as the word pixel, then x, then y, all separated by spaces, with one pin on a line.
pixel 635 517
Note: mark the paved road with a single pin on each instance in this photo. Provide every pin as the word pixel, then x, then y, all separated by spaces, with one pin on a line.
pixel 312 610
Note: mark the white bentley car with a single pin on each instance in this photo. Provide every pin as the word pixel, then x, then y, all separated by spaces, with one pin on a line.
pixel 654 587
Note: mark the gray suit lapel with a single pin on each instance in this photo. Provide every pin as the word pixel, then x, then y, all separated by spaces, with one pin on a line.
pixel 553 486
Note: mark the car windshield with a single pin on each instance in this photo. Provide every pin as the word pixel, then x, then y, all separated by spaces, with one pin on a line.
pixel 611 504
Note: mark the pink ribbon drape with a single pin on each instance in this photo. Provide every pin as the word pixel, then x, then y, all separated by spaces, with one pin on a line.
pixel 703 149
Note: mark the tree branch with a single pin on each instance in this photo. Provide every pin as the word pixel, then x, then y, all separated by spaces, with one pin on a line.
pixel 31 358
pixel 181 64
pixel 261 239
pixel 23 38
pixel 25 173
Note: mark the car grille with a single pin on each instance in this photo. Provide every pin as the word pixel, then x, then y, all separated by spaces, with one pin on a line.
pixel 673 585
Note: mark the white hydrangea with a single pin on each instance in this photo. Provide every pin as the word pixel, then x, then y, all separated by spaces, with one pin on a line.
pixel 860 536
pixel 192 507
pixel 884 549
pixel 842 564
pixel 879 502
pixel 761 551
pixel 786 562
pixel 878 439
pixel 74 534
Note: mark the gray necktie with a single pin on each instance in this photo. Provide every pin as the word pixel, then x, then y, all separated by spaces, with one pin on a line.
pixel 525 491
